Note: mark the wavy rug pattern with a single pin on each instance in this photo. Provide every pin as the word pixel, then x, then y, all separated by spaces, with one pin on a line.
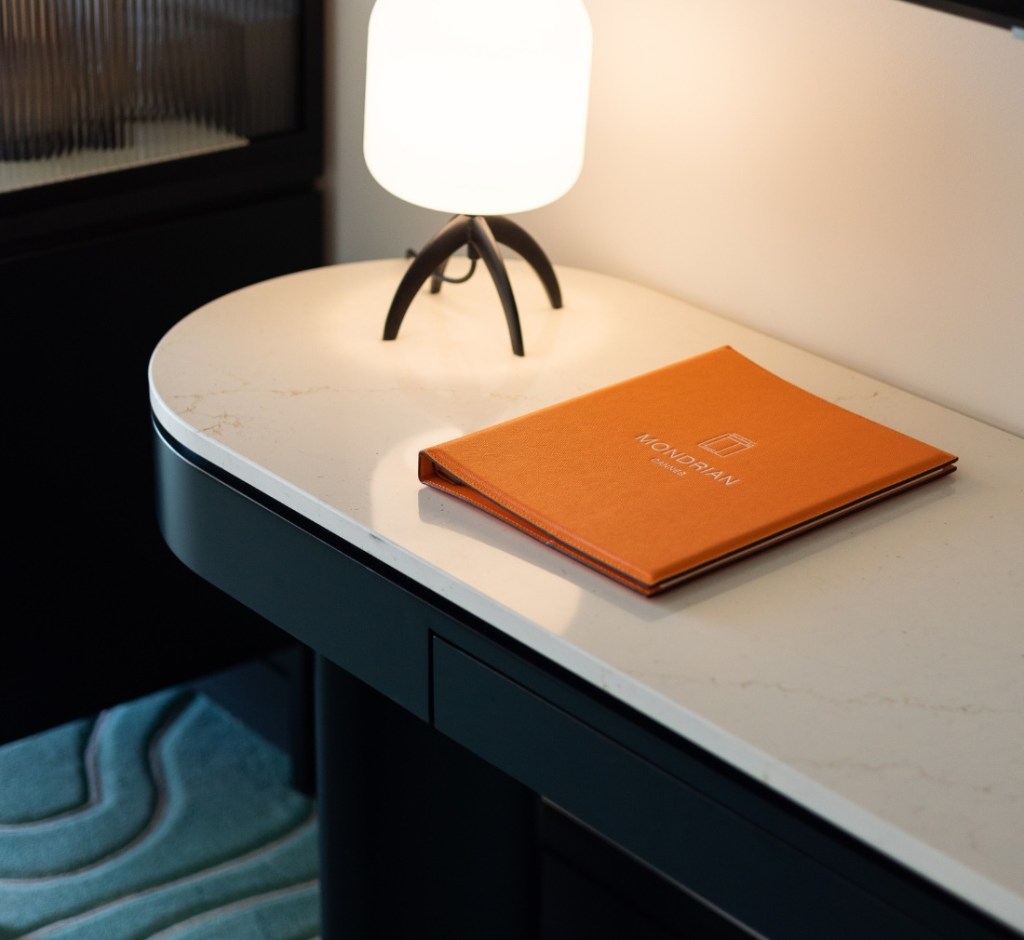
pixel 162 818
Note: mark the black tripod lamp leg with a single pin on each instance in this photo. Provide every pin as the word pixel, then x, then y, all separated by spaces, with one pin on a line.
pixel 437 277
pixel 432 258
pixel 482 239
pixel 520 241
pixel 482 235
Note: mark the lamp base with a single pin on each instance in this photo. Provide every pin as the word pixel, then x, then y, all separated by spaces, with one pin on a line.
pixel 481 234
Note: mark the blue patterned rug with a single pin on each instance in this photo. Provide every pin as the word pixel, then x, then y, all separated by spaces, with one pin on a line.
pixel 163 818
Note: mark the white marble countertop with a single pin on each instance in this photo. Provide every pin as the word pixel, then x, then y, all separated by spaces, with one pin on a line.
pixel 872 670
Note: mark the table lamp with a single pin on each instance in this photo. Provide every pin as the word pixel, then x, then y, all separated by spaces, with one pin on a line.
pixel 476 108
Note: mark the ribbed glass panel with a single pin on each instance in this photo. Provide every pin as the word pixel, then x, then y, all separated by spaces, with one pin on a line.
pixel 90 86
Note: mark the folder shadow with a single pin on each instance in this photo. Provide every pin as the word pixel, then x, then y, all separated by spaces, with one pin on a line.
pixel 436 509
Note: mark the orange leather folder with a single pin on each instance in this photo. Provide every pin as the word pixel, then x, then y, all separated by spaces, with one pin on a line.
pixel 665 476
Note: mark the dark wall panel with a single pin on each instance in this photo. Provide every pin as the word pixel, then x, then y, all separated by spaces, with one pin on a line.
pixel 99 610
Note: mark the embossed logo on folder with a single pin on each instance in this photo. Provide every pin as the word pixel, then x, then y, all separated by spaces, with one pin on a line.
pixel 725 445
pixel 670 453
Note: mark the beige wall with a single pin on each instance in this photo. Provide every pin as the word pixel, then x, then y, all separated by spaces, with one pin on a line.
pixel 845 174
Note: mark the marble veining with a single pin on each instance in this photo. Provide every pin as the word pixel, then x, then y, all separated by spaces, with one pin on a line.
pixel 870 670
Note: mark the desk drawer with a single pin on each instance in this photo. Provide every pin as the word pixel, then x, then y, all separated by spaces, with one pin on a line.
pixel 710 849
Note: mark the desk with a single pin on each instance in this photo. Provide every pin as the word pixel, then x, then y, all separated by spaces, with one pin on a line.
pixel 823 740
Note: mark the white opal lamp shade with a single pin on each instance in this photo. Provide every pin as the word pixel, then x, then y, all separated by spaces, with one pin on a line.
pixel 477 106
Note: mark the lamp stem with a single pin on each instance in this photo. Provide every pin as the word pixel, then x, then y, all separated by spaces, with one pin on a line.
pixel 481 234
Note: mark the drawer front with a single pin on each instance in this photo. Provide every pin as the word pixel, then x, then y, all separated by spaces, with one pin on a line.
pixel 708 848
